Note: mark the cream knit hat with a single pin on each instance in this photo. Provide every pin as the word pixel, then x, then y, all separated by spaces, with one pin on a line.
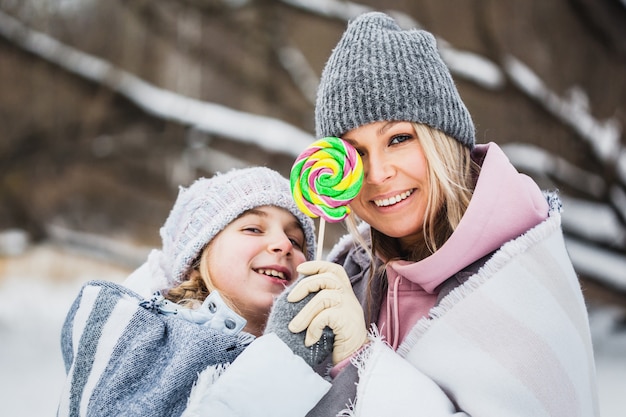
pixel 205 208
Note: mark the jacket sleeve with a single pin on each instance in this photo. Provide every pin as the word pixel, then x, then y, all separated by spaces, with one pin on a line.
pixel 390 385
pixel 267 379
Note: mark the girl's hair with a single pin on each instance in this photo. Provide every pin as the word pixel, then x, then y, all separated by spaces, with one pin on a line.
pixel 192 292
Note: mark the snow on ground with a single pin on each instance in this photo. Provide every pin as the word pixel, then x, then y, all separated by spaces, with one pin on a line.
pixel 38 287
pixel 36 291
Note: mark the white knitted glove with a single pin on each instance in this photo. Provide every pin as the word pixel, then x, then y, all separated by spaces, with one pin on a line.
pixel 335 306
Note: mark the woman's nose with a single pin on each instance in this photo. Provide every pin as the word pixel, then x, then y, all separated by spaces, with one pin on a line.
pixel 377 169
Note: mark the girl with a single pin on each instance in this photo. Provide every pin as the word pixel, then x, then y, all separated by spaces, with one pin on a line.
pixel 459 265
pixel 230 245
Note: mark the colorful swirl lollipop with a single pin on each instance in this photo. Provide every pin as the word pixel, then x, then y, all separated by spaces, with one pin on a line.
pixel 325 178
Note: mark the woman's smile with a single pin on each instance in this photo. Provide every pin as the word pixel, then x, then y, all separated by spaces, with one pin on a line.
pixel 394 199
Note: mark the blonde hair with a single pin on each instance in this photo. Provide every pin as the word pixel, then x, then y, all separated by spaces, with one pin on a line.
pixel 452 176
pixel 192 292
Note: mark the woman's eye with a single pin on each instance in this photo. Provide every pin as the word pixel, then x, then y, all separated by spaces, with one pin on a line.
pixel 252 229
pixel 399 139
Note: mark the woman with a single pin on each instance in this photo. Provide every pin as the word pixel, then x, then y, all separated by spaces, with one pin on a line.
pixel 459 264
pixel 231 244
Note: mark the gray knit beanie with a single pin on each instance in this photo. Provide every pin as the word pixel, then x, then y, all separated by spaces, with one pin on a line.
pixel 205 208
pixel 380 72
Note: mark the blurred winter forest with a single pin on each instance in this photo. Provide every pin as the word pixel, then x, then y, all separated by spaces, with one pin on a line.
pixel 106 107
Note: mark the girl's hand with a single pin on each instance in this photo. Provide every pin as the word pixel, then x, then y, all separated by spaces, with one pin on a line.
pixel 334 305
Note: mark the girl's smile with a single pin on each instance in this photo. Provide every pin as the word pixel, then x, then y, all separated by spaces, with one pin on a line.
pixel 276 273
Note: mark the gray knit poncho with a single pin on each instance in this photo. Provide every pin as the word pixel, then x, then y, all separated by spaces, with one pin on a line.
pixel 123 359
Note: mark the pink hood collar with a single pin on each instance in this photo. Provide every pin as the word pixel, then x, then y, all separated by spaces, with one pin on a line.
pixel 504 205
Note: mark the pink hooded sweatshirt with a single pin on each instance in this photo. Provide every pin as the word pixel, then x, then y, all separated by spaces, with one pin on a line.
pixel 505 204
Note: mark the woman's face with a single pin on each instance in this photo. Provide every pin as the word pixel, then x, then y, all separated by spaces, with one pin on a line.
pixel 254 258
pixel 395 188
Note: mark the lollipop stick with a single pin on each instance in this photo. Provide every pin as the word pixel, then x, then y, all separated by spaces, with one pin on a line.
pixel 320 239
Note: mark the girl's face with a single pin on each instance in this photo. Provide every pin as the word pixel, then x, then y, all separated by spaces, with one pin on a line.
pixel 395 188
pixel 252 260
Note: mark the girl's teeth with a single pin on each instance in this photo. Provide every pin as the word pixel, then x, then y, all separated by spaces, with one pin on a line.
pixel 272 273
